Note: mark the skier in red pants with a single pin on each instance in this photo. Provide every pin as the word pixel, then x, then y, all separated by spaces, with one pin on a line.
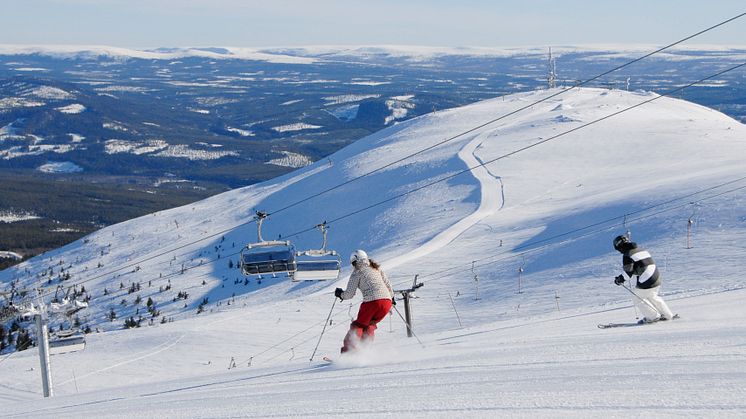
pixel 378 297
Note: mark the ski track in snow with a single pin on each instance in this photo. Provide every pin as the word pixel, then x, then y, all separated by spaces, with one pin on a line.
pixel 490 201
pixel 546 367
pixel 160 348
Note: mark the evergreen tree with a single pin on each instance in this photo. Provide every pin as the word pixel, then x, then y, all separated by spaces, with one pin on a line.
pixel 23 341
pixel 131 322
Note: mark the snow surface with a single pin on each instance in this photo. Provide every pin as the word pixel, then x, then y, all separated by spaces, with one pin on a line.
pixel 68 51
pixel 14 217
pixel 413 53
pixel 74 108
pixel 298 126
pixel 49 92
pixel 76 138
pixel 241 132
pixel 342 99
pixel 7 103
pixel 291 159
pixel 160 148
pixel 10 255
pixel 540 220
pixel 60 167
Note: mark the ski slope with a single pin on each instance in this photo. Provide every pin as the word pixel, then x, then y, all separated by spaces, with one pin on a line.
pixel 539 222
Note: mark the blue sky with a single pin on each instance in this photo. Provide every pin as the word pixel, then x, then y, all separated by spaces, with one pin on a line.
pixel 249 23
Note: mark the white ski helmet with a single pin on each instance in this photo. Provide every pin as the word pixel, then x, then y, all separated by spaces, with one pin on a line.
pixel 358 255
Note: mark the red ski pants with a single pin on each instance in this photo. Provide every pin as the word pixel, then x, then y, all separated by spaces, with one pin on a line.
pixel 363 329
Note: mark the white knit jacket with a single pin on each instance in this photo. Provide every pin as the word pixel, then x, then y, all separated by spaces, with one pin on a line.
pixel 373 283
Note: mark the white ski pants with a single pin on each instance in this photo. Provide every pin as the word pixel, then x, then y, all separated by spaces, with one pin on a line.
pixel 650 304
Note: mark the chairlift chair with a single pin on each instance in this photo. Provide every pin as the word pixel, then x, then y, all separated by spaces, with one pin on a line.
pixel 267 257
pixel 67 307
pixel 66 341
pixel 8 312
pixel 318 264
pixel 72 340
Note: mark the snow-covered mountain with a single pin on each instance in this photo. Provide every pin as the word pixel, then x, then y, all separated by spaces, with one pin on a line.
pixel 538 217
pixel 316 53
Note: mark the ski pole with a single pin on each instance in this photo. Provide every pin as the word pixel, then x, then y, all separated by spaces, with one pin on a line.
pixel 324 329
pixel 408 326
pixel 641 299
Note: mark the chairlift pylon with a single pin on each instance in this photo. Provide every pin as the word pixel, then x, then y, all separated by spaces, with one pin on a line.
pixel 267 257
pixel 318 264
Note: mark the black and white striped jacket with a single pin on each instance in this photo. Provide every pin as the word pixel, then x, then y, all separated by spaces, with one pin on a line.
pixel 637 261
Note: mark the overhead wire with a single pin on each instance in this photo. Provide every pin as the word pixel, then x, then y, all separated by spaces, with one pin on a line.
pixel 550 244
pixel 534 145
pixel 528 106
pixel 530 146
pixel 473 129
pixel 316 324
pixel 481 164
pixel 509 254
pixel 464 171
pixel 575 230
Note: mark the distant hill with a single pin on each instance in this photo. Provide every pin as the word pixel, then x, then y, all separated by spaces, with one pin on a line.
pixel 181 124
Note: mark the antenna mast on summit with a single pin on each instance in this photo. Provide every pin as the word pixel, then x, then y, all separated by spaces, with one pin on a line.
pixel 552 71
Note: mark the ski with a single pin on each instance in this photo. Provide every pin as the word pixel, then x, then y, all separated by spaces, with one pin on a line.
pixel 612 325
pixel 327 359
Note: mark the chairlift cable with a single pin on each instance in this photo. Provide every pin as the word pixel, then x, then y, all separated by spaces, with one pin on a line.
pixel 506 255
pixel 596 224
pixel 530 146
pixel 157 255
pixel 291 337
pixel 657 51
pixel 582 83
pixel 453 175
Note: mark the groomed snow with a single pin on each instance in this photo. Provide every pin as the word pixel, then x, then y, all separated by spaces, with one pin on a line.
pixel 539 221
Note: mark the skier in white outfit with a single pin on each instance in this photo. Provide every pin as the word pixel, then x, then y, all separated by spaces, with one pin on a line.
pixel 637 263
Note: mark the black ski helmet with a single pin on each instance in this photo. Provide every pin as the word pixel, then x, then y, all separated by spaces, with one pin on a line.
pixel 620 241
